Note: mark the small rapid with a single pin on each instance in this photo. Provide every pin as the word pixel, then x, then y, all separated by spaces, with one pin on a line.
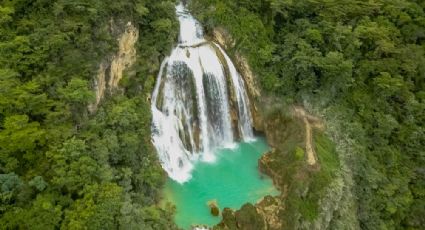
pixel 199 102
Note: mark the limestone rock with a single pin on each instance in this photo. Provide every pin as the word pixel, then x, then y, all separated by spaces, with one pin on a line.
pixel 111 71
pixel 223 38
pixel 248 75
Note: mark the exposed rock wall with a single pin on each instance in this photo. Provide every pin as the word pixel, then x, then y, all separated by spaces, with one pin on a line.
pixel 112 70
pixel 223 38
pixel 126 55
pixel 99 86
pixel 231 93
pixel 269 209
pixel 248 75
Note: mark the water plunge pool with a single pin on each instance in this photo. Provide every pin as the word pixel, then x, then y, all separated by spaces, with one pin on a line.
pixel 232 180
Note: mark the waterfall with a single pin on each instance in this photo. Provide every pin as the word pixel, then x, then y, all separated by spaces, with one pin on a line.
pixel 199 102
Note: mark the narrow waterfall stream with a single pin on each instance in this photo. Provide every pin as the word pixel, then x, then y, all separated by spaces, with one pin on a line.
pixel 202 129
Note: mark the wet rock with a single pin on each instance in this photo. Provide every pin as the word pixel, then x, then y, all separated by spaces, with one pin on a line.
pixel 229 220
pixel 196 136
pixel 160 99
pixel 248 218
pixel 233 103
pixel 215 211
pixel 264 165
pixel 248 76
pixel 223 38
pixel 269 208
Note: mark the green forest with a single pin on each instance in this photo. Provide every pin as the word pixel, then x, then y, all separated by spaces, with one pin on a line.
pixel 363 61
pixel 63 167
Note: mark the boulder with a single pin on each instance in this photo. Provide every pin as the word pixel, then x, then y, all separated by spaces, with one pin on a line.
pixel 215 211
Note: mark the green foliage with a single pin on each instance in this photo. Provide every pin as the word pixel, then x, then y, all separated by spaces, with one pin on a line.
pixel 38 182
pixel 77 92
pixel 328 157
pixel 361 59
pixel 9 182
pixel 98 209
pixel 299 153
pixel 44 213
pixel 72 166
pixel 19 139
pixel 306 186
pixel 60 166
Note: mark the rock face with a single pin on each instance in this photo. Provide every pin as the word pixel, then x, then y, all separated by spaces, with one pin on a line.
pixel 264 166
pixel 223 38
pixel 126 55
pixel 112 70
pixel 246 218
pixel 233 103
pixel 100 85
pixel 248 75
pixel 215 211
pixel 269 208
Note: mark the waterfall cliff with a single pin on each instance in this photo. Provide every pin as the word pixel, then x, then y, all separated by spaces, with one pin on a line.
pixel 199 102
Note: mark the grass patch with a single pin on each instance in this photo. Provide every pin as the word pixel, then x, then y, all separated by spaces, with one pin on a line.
pixel 299 153
pixel 319 181
pixel 326 152
pixel 328 160
pixel 308 208
pixel 306 185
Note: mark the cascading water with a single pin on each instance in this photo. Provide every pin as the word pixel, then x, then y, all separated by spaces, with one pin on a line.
pixel 199 102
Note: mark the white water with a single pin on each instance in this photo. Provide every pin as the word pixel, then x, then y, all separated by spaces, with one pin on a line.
pixel 190 103
pixel 242 98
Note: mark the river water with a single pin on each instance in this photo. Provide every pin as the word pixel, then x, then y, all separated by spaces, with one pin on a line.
pixel 231 181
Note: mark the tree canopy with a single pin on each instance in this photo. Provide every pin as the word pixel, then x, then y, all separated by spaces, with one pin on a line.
pixel 61 166
pixel 362 60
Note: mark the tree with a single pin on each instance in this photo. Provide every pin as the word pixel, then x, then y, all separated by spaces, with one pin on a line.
pixel 19 139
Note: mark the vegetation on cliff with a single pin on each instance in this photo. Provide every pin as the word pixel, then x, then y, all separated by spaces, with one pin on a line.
pixel 61 166
pixel 360 63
